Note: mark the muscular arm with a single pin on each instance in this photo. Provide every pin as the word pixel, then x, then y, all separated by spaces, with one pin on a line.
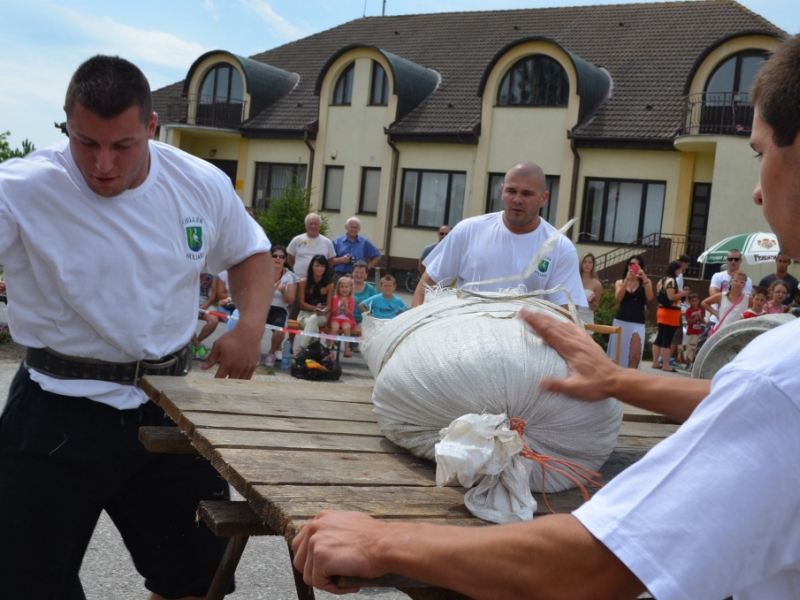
pixel 549 557
pixel 252 285
pixel 592 376
pixel 419 293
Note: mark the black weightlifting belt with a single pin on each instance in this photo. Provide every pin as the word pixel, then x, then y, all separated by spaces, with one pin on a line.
pixel 61 366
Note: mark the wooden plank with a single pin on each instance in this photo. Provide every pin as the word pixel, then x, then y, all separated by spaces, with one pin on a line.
pixel 165 440
pixel 245 468
pixel 640 415
pixel 291 390
pixel 176 404
pixel 230 518
pixel 208 440
pixel 647 429
pixel 202 420
pixel 399 502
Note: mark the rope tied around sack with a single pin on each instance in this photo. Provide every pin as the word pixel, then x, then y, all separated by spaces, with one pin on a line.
pixel 572 471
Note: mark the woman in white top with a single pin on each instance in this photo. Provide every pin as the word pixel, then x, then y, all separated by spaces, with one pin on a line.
pixel 285 292
pixel 592 286
pixel 731 303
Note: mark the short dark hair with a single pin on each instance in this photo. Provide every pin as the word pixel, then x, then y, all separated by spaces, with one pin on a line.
pixel 684 258
pixel 757 289
pixel 108 86
pixel 360 264
pixel 389 277
pixel 693 295
pixel 776 92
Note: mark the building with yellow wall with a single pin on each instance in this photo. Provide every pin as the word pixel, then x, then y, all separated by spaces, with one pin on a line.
pixel 638 114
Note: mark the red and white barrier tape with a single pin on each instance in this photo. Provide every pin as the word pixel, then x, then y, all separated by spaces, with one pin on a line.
pixel 323 336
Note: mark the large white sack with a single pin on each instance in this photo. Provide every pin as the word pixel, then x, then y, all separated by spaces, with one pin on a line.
pixel 462 353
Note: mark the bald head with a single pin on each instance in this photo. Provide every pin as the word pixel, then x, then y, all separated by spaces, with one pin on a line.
pixel 524 170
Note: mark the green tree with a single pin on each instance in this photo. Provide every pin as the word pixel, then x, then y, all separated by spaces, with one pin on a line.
pixel 286 213
pixel 5 149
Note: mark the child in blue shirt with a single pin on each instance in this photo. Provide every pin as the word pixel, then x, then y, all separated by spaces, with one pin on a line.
pixel 384 305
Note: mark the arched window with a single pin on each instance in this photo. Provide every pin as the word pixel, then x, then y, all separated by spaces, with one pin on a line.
pixel 536 80
pixel 379 95
pixel 726 101
pixel 221 99
pixel 343 92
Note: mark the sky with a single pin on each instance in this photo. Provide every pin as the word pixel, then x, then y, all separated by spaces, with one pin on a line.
pixel 44 41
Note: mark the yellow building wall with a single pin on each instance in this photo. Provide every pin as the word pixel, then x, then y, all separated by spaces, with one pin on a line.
pixel 651 165
pixel 353 137
pixel 704 167
pixel 732 209
pixel 291 152
pixel 534 134
pixel 408 242
pixel 514 134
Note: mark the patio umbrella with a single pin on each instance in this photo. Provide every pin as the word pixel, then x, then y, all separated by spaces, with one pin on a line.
pixel 756 248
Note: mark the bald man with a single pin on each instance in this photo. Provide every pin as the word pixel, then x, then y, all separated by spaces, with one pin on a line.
pixel 502 245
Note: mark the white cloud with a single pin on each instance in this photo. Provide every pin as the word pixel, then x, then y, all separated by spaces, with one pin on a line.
pixel 271 18
pixel 105 35
pixel 208 5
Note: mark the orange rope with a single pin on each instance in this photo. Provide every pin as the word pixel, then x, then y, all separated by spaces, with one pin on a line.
pixel 577 473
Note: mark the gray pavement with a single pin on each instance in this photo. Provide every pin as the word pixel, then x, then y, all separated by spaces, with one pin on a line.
pixel 263 574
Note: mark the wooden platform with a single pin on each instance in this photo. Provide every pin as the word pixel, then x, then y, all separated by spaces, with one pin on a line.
pixel 291 454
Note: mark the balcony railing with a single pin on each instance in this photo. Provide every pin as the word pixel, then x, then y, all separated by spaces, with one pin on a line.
pixel 206 110
pixel 658 249
pixel 717 113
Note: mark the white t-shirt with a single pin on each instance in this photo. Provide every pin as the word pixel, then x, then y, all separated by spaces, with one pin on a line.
pixel 714 509
pixel 114 278
pixel 722 281
pixel 304 248
pixel 482 248
pixel 277 298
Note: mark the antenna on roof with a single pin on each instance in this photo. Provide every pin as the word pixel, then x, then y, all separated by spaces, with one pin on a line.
pixel 383 12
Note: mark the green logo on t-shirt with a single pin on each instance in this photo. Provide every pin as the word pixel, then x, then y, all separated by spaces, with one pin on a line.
pixel 194 237
pixel 544 264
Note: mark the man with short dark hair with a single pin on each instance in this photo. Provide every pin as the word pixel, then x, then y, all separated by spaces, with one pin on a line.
pixel 782 263
pixel 496 251
pixel 689 519
pixel 104 237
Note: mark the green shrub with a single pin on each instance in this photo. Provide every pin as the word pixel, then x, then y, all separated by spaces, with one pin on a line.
pixel 285 217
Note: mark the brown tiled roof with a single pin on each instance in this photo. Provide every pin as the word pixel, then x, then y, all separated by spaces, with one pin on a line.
pixel 649 49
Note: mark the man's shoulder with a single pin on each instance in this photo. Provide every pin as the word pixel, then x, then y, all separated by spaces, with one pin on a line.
pixel 767 279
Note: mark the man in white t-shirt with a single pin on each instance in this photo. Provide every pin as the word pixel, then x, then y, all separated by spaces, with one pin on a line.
pixel 497 251
pixel 713 511
pixel 721 281
pixel 103 239
pixel 307 245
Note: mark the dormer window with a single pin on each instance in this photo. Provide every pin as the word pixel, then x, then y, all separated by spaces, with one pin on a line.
pixel 379 95
pixel 536 80
pixel 221 98
pixel 343 92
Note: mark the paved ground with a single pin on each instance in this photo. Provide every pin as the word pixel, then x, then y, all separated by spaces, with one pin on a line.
pixel 263 574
